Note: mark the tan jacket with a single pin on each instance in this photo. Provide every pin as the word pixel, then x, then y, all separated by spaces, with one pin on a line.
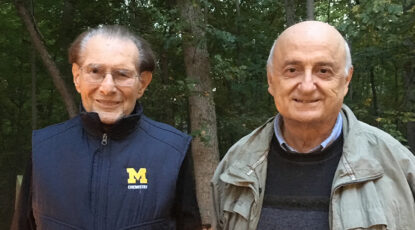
pixel 373 187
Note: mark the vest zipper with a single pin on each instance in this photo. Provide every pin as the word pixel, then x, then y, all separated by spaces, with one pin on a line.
pixel 104 140
pixel 100 185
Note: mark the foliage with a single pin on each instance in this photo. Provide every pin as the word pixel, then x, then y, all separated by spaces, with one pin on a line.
pixel 382 42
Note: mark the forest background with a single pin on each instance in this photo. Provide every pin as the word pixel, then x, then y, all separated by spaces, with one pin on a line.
pixel 210 81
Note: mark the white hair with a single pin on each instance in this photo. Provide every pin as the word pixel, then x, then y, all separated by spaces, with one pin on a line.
pixel 347 67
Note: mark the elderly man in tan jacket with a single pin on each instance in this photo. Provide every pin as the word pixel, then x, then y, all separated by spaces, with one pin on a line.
pixel 314 165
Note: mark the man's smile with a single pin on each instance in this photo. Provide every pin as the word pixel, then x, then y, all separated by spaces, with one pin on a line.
pixel 305 101
pixel 107 103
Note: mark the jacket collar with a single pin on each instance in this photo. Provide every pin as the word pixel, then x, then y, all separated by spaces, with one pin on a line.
pixel 250 153
pixel 122 128
pixel 355 165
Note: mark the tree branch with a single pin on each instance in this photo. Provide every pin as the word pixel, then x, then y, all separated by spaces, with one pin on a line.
pixel 50 65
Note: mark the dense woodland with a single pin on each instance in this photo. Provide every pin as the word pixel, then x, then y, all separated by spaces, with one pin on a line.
pixel 210 79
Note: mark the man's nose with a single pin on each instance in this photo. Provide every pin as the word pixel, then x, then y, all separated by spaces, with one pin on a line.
pixel 107 85
pixel 307 83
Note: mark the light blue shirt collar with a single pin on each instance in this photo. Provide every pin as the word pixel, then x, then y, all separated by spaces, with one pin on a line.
pixel 335 133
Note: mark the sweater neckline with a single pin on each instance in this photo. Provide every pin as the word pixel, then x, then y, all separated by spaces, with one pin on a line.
pixel 315 156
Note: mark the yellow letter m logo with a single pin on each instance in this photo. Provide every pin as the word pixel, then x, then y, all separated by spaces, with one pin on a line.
pixel 134 176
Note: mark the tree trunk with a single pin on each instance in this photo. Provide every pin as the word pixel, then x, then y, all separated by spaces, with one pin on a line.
pixel 33 70
pixel 409 79
pixel 410 101
pixel 237 21
pixel 47 60
pixel 65 37
pixel 34 102
pixel 164 66
pixel 238 10
pixel 410 85
pixel 201 105
pixel 310 9
pixel 396 80
pixel 67 20
pixel 374 94
pixel 328 11
pixel 289 6
pixel 350 42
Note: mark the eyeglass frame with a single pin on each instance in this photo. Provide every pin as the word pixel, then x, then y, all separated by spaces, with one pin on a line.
pixel 104 74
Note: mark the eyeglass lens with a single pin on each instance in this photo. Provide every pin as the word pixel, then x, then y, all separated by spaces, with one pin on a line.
pixel 97 73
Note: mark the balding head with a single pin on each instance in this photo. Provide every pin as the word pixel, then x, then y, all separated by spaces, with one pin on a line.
pixel 306 74
pixel 311 32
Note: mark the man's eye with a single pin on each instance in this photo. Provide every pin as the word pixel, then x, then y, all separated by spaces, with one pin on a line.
pixel 292 71
pixel 324 71
pixel 94 71
pixel 123 74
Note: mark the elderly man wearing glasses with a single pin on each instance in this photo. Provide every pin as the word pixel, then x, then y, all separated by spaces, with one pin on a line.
pixel 111 167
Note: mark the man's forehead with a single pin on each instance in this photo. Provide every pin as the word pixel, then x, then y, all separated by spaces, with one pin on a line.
pixel 310 29
pixel 310 32
pixel 108 42
pixel 291 47
pixel 101 48
pixel 310 37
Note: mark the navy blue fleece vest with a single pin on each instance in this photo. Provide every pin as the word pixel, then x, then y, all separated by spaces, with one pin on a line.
pixel 83 182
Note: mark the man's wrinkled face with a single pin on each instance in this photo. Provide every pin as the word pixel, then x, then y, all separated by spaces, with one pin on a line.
pixel 114 59
pixel 307 76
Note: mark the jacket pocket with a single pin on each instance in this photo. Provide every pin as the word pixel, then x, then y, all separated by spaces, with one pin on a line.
pixel 158 224
pixel 237 208
pixel 241 205
pixel 49 223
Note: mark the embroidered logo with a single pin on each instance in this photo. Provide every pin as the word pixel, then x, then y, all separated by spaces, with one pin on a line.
pixel 134 177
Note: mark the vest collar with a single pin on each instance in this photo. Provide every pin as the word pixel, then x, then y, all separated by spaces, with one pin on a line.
pixel 119 130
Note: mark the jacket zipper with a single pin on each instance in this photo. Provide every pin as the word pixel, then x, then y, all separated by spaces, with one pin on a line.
pixel 258 162
pixel 104 140
pixel 354 181
pixel 349 169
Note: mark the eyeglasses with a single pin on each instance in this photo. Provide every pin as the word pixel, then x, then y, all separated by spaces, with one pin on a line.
pixel 96 74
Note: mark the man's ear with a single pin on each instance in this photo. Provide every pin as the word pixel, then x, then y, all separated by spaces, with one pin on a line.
pixel 145 79
pixel 348 79
pixel 269 79
pixel 76 72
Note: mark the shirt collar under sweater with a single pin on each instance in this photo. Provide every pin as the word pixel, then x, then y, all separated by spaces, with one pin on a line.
pixel 335 133
pixel 119 130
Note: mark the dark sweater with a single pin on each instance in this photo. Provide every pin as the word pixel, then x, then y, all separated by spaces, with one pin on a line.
pixel 298 187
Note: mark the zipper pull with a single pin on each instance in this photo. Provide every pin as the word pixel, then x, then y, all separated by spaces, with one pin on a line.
pixel 104 139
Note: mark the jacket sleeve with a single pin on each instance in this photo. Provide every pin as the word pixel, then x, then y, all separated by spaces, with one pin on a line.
pixel 216 195
pixel 408 165
pixel 23 215
pixel 186 209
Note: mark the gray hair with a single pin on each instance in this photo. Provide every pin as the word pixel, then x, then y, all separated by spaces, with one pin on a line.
pixel 145 60
pixel 348 64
